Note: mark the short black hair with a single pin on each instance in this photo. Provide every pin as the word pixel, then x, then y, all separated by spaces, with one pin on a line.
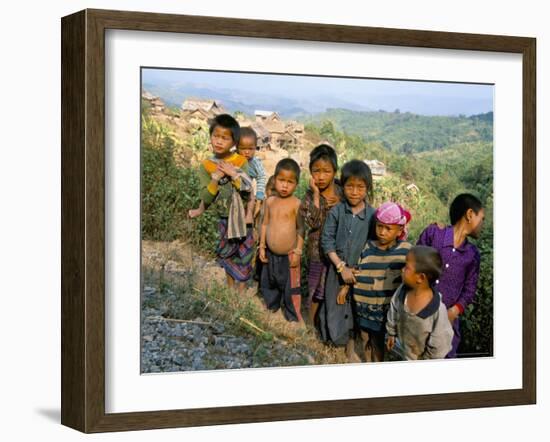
pixel 248 132
pixel 288 164
pixel 228 122
pixel 357 169
pixel 427 261
pixel 323 152
pixel 461 204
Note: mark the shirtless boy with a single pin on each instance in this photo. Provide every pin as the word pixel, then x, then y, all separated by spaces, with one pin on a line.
pixel 281 242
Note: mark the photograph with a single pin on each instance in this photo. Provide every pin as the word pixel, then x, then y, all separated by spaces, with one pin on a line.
pixel 302 220
pixel 268 220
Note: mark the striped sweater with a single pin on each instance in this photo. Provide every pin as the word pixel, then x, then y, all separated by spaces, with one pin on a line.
pixel 378 278
pixel 256 171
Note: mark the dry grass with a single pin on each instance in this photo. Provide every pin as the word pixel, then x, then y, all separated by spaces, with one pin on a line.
pixel 202 283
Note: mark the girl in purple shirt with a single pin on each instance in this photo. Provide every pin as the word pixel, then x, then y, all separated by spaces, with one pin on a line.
pixel 458 281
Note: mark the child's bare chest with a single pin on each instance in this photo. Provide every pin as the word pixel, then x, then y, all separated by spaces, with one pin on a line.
pixel 283 211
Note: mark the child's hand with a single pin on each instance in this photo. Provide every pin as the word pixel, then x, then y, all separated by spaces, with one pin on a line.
pixel 227 169
pixel 452 313
pixel 263 258
pixel 217 175
pixel 313 186
pixel 342 294
pixel 390 343
pixel 294 259
pixel 332 200
pixel 348 275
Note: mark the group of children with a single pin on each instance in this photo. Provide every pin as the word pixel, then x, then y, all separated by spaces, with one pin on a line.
pixel 366 283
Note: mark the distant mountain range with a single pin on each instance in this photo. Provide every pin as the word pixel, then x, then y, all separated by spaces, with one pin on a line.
pixel 173 94
pixel 298 103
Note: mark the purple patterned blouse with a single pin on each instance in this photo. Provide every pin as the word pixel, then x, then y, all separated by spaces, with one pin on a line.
pixel 458 281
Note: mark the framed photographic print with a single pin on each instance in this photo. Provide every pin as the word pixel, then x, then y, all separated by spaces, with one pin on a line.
pixel 171 319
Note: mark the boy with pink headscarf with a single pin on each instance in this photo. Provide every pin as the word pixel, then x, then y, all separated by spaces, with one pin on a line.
pixel 379 275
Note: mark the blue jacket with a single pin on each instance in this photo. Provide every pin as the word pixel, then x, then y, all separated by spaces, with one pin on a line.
pixel 346 233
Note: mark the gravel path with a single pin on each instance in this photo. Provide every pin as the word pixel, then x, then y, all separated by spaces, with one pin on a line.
pixel 202 344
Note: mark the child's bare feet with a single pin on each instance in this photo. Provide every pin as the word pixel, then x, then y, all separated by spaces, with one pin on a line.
pixel 351 354
pixel 295 329
pixel 193 213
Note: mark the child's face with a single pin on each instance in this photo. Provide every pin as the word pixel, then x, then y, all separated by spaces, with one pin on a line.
pixel 247 147
pixel 387 233
pixel 270 190
pixel 408 273
pixel 222 141
pixel 355 191
pixel 476 222
pixel 285 183
pixel 322 173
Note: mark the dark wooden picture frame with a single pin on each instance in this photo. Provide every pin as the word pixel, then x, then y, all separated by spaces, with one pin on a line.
pixel 83 220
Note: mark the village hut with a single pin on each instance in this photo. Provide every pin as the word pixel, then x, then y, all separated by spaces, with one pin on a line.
pixel 213 107
pixel 263 135
pixel 273 123
pixel 378 168
pixel 156 103
pixel 197 117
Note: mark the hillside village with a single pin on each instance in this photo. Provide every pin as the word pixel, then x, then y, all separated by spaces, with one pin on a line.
pixel 273 132
pixel 277 138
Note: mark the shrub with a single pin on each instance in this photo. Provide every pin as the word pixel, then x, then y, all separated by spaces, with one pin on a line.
pixel 168 192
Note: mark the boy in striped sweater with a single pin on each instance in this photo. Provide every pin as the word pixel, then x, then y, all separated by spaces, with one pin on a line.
pixel 379 275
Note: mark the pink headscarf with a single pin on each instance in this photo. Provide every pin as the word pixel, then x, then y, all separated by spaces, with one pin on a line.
pixel 393 213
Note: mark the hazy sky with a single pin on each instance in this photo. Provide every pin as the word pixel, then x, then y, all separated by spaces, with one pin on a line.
pixel 414 96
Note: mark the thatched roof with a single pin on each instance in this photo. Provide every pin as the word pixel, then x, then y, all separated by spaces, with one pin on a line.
pixel 291 134
pixel 265 116
pixel 193 103
pixel 275 126
pixel 295 126
pixel 375 163
pixel 261 130
pixel 377 167
pixel 200 113
pixel 263 113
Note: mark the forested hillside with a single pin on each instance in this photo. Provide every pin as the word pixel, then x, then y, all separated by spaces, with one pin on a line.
pixel 407 132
